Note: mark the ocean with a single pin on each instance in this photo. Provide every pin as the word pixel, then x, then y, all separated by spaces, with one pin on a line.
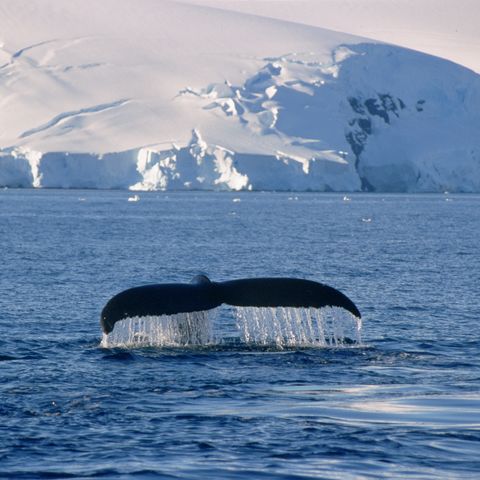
pixel 402 402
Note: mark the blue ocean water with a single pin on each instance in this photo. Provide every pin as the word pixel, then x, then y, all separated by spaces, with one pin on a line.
pixel 404 404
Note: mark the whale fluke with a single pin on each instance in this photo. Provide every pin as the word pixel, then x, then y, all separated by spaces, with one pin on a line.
pixel 202 294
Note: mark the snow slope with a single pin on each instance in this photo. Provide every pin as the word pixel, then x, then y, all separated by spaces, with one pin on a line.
pixel 444 28
pixel 153 94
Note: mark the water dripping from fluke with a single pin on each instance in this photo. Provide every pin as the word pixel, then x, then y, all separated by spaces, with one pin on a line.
pixel 298 327
pixel 276 327
pixel 178 330
pixel 279 312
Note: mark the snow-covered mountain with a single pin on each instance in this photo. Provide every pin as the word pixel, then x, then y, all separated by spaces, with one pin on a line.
pixel 154 94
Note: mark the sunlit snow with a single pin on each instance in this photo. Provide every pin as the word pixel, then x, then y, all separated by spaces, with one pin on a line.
pixel 157 95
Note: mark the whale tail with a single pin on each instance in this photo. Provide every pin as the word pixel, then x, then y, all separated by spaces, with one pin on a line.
pixel 202 294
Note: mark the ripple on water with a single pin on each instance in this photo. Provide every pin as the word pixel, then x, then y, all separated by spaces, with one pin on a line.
pixel 403 403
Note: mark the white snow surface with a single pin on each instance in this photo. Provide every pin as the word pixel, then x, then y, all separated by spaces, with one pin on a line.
pixel 155 94
pixel 444 28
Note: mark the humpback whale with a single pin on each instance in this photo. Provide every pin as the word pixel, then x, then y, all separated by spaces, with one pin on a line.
pixel 202 294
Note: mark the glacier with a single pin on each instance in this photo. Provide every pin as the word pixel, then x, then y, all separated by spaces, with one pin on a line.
pixel 190 97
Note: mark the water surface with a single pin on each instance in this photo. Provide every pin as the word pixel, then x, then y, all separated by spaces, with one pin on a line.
pixel 406 403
